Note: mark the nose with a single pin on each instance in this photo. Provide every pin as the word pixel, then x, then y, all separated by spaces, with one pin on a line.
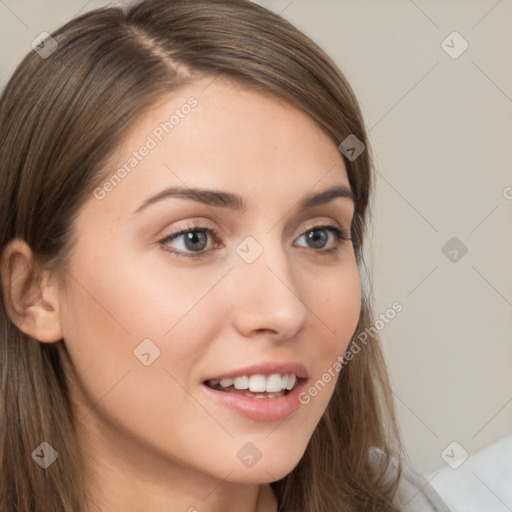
pixel 266 296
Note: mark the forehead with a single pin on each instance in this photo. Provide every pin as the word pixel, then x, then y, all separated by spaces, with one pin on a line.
pixel 223 135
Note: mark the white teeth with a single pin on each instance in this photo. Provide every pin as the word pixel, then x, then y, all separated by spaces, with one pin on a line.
pixel 241 382
pixel 291 382
pixel 274 383
pixel 257 383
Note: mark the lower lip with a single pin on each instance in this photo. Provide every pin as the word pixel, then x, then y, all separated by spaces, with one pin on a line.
pixel 259 409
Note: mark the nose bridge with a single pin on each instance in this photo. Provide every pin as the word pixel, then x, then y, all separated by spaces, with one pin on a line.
pixel 268 296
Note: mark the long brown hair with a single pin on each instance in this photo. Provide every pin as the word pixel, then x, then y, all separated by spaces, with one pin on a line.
pixel 61 118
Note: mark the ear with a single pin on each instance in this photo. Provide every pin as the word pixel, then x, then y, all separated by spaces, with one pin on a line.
pixel 31 303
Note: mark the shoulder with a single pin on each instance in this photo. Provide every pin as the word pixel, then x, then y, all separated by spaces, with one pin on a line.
pixel 479 480
pixel 414 494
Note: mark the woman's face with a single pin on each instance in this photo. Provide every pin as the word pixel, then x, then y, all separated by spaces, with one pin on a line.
pixel 264 296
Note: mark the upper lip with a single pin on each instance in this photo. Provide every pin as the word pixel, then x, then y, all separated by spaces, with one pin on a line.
pixel 266 368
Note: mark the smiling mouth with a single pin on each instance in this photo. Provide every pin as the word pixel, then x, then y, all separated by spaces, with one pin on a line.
pixel 256 386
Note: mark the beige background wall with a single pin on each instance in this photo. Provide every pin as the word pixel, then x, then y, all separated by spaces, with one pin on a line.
pixel 441 133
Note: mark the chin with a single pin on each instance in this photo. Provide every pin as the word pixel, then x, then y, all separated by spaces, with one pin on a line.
pixel 264 475
pixel 270 468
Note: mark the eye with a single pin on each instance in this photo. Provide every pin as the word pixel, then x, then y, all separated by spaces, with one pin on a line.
pixel 194 240
pixel 318 237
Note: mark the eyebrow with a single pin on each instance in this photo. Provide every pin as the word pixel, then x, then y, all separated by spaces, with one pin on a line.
pixel 236 202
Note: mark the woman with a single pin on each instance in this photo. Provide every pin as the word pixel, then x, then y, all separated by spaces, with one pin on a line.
pixel 184 193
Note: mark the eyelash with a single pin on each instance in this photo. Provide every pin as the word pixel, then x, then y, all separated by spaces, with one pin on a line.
pixel 340 235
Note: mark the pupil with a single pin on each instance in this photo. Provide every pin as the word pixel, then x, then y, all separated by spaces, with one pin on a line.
pixel 192 239
pixel 315 237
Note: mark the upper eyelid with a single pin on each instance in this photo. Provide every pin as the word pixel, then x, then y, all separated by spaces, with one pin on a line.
pixel 226 223
pixel 200 226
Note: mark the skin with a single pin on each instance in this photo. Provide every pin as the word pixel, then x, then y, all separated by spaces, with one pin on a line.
pixel 153 441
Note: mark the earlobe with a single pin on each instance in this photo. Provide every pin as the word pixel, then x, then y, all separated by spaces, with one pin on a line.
pixel 31 302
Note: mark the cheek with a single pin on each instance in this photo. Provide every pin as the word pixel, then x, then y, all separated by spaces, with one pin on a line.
pixel 135 325
pixel 113 310
pixel 335 307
